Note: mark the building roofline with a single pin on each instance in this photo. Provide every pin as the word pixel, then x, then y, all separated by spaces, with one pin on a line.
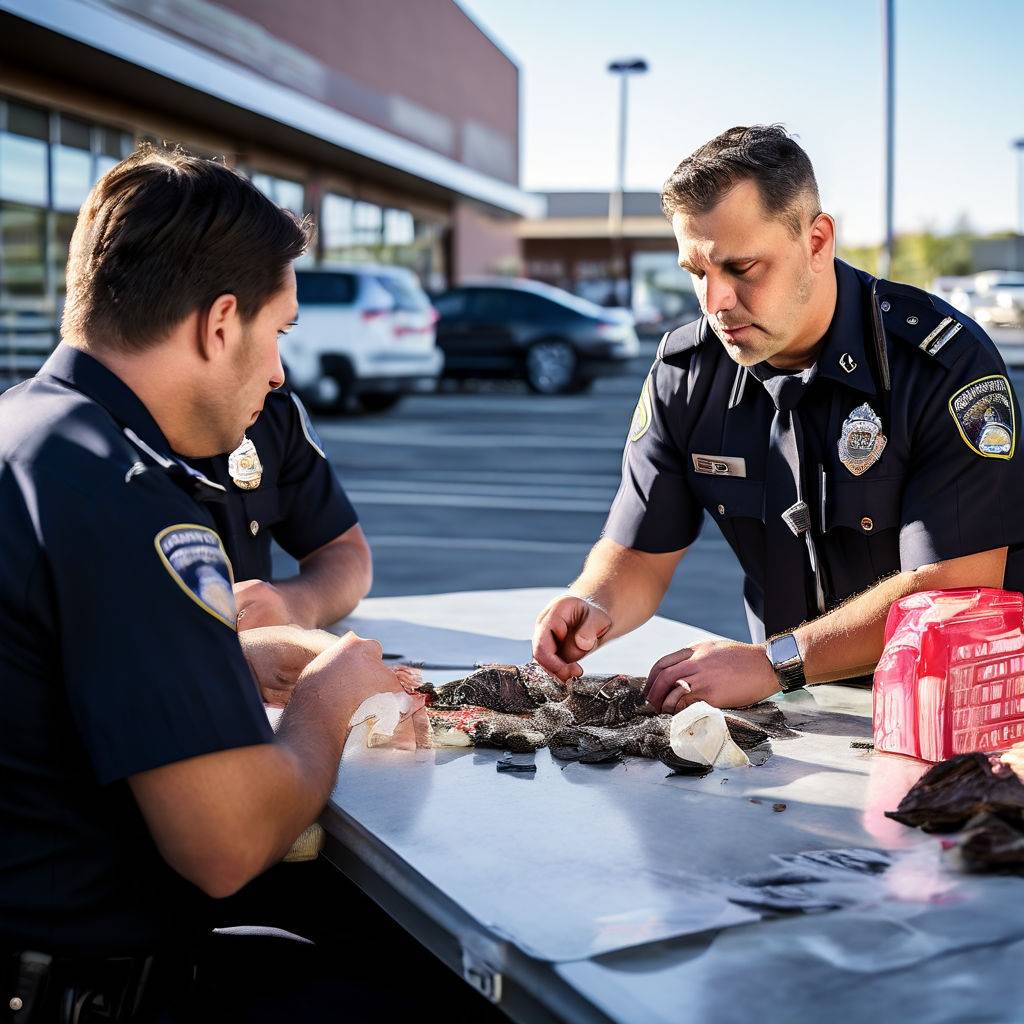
pixel 121 36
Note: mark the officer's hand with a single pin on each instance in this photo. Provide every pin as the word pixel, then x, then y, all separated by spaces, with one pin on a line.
pixel 566 630
pixel 276 656
pixel 260 604
pixel 348 672
pixel 724 673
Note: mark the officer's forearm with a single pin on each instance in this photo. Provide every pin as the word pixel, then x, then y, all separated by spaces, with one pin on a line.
pixel 626 583
pixel 331 581
pixel 848 641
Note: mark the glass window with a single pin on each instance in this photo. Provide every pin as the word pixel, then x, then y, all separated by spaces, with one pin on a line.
pixel 63 227
pixel 366 224
pixel 336 224
pixel 22 252
pixel 23 171
pixel 289 194
pixel 452 304
pixel 72 176
pixel 507 304
pixel 323 288
pixel 399 227
pixel 32 122
pixel 406 291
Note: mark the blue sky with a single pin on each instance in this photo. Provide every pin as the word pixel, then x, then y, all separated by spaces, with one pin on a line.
pixel 816 67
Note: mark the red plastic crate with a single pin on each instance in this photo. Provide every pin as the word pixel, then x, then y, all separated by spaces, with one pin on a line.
pixel 951 676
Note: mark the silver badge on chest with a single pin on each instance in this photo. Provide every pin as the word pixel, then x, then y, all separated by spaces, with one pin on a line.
pixel 245 467
pixel 862 441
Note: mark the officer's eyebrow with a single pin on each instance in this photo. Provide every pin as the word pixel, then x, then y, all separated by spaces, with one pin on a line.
pixel 720 260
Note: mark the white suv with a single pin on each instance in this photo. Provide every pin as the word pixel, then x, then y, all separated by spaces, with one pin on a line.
pixel 365 333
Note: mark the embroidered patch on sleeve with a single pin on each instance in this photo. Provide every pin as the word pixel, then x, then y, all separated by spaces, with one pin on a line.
pixel 984 416
pixel 197 562
pixel 307 427
pixel 642 414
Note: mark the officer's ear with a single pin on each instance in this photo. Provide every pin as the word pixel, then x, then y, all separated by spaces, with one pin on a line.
pixel 219 327
pixel 822 240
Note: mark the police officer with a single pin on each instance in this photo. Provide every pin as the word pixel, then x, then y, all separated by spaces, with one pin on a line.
pixel 279 484
pixel 853 439
pixel 139 778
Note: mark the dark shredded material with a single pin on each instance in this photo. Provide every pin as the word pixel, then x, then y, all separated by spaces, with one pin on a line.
pixel 981 795
pixel 595 719
pixel 947 796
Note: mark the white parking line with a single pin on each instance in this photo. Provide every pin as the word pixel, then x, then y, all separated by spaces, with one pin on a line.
pixel 360 477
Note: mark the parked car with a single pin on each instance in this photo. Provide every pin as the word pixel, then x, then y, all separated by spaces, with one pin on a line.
pixel 365 334
pixel 998 299
pixel 552 339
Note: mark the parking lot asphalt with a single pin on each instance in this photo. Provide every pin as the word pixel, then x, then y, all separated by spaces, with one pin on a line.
pixel 492 487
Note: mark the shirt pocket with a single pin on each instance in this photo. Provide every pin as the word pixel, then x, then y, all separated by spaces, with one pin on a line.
pixel 262 507
pixel 737 507
pixel 862 527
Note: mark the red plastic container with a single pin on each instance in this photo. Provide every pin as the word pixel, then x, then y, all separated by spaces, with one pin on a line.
pixel 951 676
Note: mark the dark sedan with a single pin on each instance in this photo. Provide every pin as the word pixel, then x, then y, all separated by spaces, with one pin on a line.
pixel 553 340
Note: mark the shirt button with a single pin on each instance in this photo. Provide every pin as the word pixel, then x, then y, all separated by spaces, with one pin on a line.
pixel 867 524
pixel 885 306
pixel 254 527
pixel 721 510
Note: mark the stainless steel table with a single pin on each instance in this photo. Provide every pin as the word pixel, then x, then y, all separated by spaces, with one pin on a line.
pixel 596 893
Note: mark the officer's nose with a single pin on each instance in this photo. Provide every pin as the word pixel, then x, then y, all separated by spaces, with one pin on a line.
pixel 277 374
pixel 720 297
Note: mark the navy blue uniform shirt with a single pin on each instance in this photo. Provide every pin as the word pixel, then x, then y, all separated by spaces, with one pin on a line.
pixel 118 653
pixel 949 479
pixel 298 501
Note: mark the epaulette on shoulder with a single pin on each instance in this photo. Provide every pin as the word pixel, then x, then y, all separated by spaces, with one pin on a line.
pixel 915 318
pixel 681 340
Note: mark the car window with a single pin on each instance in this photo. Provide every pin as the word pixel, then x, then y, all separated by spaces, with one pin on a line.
pixel 323 289
pixel 508 304
pixel 451 304
pixel 406 292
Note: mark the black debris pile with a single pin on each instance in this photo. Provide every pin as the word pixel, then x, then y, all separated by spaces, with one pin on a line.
pixel 980 795
pixel 594 719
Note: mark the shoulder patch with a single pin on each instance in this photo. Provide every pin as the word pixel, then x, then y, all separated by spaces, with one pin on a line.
pixel 307 427
pixel 197 562
pixel 642 414
pixel 984 416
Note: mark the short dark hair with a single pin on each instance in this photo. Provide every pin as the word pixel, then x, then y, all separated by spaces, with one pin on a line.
pixel 160 236
pixel 764 154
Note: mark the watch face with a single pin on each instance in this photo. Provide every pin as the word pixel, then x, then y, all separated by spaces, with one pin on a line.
pixel 784 649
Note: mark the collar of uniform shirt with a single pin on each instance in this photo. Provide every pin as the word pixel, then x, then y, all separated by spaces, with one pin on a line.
pixel 90 377
pixel 848 334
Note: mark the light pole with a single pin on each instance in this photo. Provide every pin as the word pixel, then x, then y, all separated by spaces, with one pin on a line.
pixel 889 88
pixel 623 68
pixel 1018 145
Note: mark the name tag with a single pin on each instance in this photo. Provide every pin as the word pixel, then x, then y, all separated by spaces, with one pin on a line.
pixel 719 465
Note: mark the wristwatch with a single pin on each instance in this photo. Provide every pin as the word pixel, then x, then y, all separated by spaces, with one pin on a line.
pixel 787 662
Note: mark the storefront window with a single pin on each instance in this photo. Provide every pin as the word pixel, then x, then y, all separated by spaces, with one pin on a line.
pixel 289 194
pixel 23 151
pixel 367 219
pixel 399 227
pixel 22 253
pixel 336 226
pixel 72 164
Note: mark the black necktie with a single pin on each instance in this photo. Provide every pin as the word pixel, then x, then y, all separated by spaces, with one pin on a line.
pixel 789 544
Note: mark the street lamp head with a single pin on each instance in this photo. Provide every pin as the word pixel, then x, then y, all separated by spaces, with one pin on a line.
pixel 627 66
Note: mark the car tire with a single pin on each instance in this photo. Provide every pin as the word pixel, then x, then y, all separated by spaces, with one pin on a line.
pixel 378 401
pixel 550 367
